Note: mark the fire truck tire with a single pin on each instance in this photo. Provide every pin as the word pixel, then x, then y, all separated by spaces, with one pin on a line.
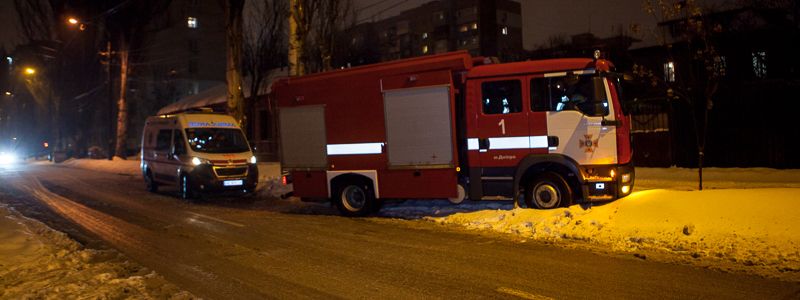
pixel 152 185
pixel 460 197
pixel 547 191
pixel 355 199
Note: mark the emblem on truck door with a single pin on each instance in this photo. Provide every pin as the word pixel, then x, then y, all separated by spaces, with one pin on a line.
pixel 588 144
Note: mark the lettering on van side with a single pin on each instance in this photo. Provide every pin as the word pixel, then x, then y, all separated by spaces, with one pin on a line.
pixel 211 124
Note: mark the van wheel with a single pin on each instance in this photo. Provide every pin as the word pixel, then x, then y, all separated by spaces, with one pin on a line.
pixel 187 192
pixel 547 191
pixel 152 185
pixel 355 199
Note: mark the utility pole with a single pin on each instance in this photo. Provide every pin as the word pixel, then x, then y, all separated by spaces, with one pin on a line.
pixel 110 116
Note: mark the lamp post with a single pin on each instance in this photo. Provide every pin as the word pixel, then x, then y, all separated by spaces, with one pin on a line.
pixel 110 117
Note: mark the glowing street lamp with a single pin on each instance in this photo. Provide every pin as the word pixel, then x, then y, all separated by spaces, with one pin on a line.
pixel 73 21
pixel 30 71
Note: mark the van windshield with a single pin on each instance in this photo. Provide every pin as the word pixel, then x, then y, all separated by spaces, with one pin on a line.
pixel 217 140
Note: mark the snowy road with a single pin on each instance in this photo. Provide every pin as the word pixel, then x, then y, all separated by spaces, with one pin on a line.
pixel 223 249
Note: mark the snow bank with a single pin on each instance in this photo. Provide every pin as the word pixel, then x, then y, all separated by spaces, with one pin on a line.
pixel 751 227
pixel 116 166
pixel 716 178
pixel 37 262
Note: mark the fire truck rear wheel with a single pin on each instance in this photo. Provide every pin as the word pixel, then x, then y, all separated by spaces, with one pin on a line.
pixel 547 191
pixel 355 199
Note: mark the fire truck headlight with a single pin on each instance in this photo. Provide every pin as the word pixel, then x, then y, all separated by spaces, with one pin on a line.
pixel 253 159
pixel 626 178
pixel 625 189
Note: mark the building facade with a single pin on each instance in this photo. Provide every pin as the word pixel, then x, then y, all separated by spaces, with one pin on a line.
pixel 482 27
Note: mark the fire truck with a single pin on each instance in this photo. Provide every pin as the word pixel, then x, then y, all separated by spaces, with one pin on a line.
pixel 551 132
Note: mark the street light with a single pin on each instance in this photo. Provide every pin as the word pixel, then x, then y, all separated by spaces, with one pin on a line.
pixel 8 93
pixel 30 71
pixel 107 54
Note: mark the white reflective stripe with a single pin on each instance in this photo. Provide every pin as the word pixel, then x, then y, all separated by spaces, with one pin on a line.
pixel 583 72
pixel 501 143
pixel 506 143
pixel 557 74
pixel 472 144
pixel 539 141
pixel 359 148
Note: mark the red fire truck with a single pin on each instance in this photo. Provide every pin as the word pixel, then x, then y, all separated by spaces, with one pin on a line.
pixel 453 126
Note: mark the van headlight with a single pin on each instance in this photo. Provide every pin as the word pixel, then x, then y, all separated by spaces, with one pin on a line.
pixel 253 159
pixel 199 161
pixel 7 158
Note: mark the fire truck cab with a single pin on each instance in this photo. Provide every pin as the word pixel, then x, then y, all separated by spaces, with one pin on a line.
pixel 457 127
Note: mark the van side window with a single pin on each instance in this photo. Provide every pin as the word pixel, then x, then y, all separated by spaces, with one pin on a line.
pixel 163 140
pixel 178 143
pixel 501 97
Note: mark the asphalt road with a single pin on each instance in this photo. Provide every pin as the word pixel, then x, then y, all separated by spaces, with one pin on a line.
pixel 227 249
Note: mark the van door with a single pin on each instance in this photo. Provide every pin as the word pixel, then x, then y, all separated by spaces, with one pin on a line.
pixel 176 155
pixel 160 163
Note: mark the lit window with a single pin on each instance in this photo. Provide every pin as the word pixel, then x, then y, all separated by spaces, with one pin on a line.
pixel 474 26
pixel 425 49
pixel 504 30
pixel 760 64
pixel 463 28
pixel 191 22
pixel 424 35
pixel 669 71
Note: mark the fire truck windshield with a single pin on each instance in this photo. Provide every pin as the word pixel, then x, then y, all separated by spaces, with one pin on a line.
pixel 217 140
pixel 584 93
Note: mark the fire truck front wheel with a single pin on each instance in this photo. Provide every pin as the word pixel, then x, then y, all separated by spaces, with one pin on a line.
pixel 547 191
pixel 355 199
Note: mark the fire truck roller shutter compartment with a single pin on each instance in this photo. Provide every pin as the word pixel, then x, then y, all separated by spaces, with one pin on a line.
pixel 303 139
pixel 419 127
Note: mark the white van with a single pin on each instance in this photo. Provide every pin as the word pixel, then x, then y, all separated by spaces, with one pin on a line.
pixel 200 152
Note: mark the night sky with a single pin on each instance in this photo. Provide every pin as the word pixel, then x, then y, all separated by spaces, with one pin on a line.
pixel 541 18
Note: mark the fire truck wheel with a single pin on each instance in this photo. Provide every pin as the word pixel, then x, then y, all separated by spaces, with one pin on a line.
pixel 152 185
pixel 547 191
pixel 460 197
pixel 355 199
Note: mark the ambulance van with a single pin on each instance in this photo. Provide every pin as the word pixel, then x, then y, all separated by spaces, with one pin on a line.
pixel 199 152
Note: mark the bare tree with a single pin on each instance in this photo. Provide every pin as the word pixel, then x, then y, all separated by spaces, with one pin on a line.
pixel 264 45
pixel 127 20
pixel 697 82
pixel 233 73
pixel 333 17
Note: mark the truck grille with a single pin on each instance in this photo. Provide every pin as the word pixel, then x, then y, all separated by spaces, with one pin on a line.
pixel 231 172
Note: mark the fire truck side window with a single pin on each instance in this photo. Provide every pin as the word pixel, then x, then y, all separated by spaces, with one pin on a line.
pixel 501 97
pixel 163 140
pixel 567 93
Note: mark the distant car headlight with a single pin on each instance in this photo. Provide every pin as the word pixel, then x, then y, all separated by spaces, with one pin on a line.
pixel 199 161
pixel 253 159
pixel 8 158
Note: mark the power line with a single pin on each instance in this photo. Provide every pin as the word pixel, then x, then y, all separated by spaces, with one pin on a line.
pixel 383 11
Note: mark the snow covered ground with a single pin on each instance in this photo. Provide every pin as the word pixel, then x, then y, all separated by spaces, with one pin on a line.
pixel 747 217
pixel 37 262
